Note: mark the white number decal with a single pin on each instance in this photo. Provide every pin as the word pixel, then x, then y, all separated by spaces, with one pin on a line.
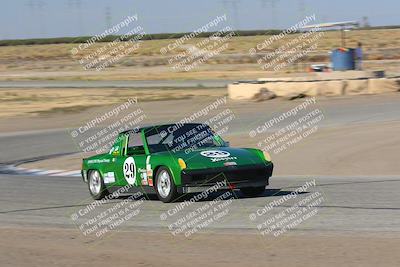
pixel 130 170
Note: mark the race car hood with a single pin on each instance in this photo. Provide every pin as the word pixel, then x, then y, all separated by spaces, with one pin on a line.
pixel 219 157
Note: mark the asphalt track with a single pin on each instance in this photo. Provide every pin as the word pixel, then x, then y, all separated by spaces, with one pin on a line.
pixel 359 110
pixel 365 203
pixel 353 204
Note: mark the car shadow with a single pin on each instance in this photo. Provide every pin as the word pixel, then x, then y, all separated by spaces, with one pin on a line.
pixel 238 195
pixel 219 195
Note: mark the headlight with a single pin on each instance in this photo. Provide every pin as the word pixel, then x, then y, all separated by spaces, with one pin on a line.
pixel 267 156
pixel 182 163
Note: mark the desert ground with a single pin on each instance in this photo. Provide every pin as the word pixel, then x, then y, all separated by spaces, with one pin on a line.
pixel 55 61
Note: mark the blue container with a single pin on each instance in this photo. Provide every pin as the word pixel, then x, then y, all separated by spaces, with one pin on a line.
pixel 343 59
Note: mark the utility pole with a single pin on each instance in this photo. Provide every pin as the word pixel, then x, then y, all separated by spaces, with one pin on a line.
pixel 234 5
pixel 76 7
pixel 36 8
pixel 108 17
pixel 302 9
pixel 365 21
pixel 272 10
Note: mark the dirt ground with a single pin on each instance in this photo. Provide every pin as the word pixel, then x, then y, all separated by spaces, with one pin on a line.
pixel 64 247
pixel 55 61
pixel 32 102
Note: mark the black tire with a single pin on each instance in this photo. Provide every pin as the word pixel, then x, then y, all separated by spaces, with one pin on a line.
pixel 252 191
pixel 102 192
pixel 162 194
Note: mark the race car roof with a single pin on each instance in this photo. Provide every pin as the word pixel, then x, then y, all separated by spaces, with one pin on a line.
pixel 156 126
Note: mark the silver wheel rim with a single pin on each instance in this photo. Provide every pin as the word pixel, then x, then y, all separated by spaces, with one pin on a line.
pixel 163 184
pixel 95 182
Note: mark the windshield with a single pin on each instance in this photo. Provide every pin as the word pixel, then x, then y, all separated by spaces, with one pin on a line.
pixel 184 137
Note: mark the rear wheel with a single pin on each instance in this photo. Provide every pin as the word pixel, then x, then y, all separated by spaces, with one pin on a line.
pixel 252 191
pixel 96 185
pixel 165 186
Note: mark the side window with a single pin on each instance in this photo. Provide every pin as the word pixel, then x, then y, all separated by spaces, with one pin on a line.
pixel 117 148
pixel 135 144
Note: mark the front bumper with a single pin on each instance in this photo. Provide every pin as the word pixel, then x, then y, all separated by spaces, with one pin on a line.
pixel 235 176
pixel 84 176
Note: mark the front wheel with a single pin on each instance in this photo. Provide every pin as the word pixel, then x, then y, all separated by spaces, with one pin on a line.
pixel 165 186
pixel 252 191
pixel 96 185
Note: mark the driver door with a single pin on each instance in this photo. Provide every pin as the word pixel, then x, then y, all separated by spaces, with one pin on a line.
pixel 131 164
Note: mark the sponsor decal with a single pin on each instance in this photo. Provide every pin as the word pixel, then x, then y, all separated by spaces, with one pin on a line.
pixel 215 154
pixel 230 163
pixel 114 150
pixel 222 159
pixel 98 161
pixel 129 169
pixel 150 181
pixel 109 178
pixel 148 167
pixel 143 176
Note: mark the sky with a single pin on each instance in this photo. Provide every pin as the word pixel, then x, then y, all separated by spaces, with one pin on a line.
pixel 20 19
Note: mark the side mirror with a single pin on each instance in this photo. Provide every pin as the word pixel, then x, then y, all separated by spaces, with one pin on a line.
pixel 219 140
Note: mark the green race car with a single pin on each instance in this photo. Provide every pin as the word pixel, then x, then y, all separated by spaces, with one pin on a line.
pixel 174 159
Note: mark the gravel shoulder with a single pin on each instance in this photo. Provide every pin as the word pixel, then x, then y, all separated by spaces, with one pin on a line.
pixel 62 247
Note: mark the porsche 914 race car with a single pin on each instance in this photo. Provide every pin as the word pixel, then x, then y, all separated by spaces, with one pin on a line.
pixel 174 159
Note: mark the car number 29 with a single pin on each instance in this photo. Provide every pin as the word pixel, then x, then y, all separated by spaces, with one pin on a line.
pixel 130 170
